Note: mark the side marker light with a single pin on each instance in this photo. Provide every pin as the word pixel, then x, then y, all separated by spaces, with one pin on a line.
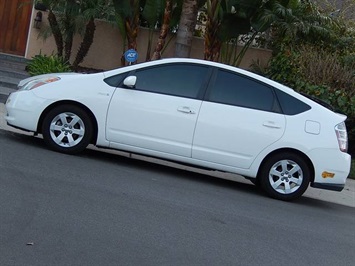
pixel 327 174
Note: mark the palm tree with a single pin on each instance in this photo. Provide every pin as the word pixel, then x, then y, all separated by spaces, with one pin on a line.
pixel 170 22
pixel 164 30
pixel 289 20
pixel 300 21
pixel 68 17
pixel 226 21
pixel 212 41
pixel 186 28
pixel 61 17
pixel 127 14
pixel 152 13
pixel 92 9
pixel 54 25
pixel 71 8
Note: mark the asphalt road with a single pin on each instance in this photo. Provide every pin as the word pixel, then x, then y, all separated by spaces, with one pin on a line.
pixel 103 209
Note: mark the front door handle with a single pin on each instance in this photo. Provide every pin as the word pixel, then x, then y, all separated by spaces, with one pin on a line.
pixel 185 109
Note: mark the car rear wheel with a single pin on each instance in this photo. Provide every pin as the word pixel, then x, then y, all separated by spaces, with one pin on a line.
pixel 67 129
pixel 285 176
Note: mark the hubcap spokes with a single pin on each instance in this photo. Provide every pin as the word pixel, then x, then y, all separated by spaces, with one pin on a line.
pixel 286 176
pixel 67 129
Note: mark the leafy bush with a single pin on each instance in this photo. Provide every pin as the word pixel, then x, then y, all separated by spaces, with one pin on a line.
pixel 43 64
pixel 320 66
pixel 284 68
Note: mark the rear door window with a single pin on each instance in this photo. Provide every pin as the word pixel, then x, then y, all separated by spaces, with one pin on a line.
pixel 235 89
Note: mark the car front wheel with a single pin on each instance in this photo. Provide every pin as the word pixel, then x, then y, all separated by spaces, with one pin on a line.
pixel 285 176
pixel 67 129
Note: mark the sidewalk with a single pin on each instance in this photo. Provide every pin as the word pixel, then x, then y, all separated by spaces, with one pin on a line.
pixel 345 197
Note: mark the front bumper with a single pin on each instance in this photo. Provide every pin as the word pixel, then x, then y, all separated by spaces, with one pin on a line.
pixel 23 110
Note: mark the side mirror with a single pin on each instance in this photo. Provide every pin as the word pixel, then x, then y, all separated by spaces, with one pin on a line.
pixel 130 81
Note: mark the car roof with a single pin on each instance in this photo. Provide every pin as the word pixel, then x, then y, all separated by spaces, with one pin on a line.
pixel 191 60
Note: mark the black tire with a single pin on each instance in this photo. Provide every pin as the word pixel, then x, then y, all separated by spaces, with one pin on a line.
pixel 67 129
pixel 285 176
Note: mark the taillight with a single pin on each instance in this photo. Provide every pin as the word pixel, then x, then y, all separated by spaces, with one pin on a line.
pixel 342 136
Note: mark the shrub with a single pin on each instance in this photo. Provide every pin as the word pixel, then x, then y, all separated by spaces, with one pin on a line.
pixel 330 77
pixel 283 67
pixel 43 64
pixel 317 72
pixel 320 66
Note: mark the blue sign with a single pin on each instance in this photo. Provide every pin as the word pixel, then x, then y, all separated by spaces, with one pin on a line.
pixel 131 55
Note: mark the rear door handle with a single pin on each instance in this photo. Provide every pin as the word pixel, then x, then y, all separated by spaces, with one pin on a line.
pixel 185 109
pixel 271 124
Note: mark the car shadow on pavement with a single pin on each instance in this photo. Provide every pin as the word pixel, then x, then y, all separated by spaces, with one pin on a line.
pixel 172 170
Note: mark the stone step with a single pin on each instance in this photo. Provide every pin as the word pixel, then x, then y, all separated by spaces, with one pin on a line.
pixel 12 70
pixel 9 82
pixel 13 73
pixel 13 58
pixel 14 63
pixel 15 66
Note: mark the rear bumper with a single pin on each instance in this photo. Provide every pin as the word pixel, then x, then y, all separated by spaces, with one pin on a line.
pixel 333 187
pixel 331 168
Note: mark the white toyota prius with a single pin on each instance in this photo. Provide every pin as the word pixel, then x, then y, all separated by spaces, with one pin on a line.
pixel 194 112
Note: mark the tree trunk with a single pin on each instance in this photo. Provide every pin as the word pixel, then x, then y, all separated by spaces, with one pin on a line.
pixel 132 32
pixel 163 31
pixel 213 43
pixel 186 28
pixel 68 43
pixel 132 25
pixel 127 12
pixel 86 43
pixel 57 34
pixel 69 29
pixel 149 46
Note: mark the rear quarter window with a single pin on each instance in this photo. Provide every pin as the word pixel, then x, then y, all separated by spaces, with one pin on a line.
pixel 290 105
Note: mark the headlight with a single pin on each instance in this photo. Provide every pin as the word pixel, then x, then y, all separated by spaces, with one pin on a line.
pixel 38 82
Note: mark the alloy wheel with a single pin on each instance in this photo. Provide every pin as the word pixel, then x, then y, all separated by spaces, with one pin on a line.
pixel 67 129
pixel 286 176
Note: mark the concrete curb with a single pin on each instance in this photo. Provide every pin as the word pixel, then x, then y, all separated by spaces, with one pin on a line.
pixel 345 197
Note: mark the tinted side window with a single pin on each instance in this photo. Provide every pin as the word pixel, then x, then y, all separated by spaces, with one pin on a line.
pixel 234 89
pixel 115 80
pixel 183 80
pixel 290 105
